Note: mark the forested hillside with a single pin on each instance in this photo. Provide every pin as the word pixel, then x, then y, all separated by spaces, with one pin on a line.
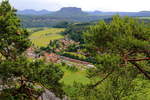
pixel 50 20
pixel 44 18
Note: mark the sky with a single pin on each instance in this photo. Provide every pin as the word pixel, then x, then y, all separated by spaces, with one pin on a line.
pixel 86 5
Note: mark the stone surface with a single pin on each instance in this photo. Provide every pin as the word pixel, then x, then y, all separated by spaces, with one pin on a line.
pixel 48 95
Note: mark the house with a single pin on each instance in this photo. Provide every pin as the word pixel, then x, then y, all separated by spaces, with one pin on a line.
pixel 52 57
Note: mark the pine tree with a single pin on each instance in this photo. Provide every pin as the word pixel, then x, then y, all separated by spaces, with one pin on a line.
pixel 124 38
pixel 122 50
pixel 13 39
pixel 19 76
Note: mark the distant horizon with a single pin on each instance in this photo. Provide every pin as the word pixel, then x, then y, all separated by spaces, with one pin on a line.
pixel 86 5
pixel 77 7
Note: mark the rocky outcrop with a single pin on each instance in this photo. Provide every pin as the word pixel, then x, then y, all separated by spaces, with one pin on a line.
pixel 48 95
pixel 69 12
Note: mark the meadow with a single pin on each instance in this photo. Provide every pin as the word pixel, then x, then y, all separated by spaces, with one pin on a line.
pixel 78 76
pixel 41 37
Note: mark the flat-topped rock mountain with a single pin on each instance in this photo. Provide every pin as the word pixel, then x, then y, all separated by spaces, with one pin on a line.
pixel 69 11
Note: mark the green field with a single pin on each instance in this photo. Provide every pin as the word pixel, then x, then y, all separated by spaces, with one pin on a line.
pixel 42 37
pixel 70 77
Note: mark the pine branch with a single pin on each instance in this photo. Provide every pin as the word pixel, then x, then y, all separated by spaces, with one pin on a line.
pixel 99 82
pixel 140 69
pixel 140 59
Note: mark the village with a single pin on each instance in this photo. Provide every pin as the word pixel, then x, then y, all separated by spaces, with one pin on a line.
pixel 55 58
pixel 51 54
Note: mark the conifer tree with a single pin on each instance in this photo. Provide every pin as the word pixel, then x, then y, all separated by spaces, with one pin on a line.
pixel 124 38
pixel 13 39
pixel 122 52
pixel 18 75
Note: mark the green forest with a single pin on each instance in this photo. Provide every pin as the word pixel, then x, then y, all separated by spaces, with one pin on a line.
pixel 68 58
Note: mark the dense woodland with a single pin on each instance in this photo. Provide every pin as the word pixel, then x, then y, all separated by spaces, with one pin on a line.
pixel 118 48
pixel 50 21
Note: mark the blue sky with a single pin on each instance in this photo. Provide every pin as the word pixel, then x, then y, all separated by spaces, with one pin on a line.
pixel 86 5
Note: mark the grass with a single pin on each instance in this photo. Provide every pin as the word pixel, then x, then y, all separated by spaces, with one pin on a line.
pixel 70 77
pixel 42 37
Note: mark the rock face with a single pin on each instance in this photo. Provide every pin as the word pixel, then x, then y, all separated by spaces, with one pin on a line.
pixel 48 95
pixel 69 11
